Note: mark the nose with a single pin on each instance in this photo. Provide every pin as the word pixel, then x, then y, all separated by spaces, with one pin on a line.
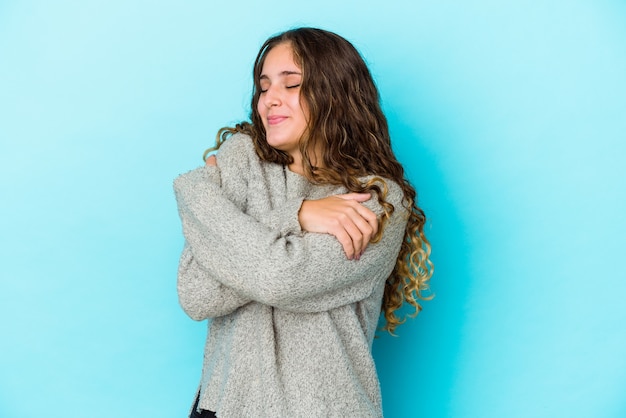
pixel 271 97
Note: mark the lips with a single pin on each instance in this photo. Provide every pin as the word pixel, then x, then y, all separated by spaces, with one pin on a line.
pixel 275 119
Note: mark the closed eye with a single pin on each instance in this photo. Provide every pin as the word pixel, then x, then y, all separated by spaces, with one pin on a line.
pixel 289 87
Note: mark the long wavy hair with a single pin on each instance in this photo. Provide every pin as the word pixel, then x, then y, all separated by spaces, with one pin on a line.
pixel 347 124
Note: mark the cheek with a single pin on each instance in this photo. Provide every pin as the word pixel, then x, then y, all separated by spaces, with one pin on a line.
pixel 261 111
pixel 304 110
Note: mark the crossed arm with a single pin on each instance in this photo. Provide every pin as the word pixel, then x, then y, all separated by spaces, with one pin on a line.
pixel 210 289
pixel 340 215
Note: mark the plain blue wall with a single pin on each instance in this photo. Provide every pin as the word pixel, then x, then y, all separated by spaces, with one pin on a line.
pixel 510 118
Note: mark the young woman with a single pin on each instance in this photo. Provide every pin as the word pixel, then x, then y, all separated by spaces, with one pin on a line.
pixel 297 235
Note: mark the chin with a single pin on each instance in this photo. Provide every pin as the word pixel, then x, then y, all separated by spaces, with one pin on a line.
pixel 278 143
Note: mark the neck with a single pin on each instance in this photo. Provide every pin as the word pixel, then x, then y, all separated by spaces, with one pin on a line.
pixel 298 167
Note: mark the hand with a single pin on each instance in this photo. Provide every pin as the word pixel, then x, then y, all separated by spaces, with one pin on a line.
pixel 211 161
pixel 344 217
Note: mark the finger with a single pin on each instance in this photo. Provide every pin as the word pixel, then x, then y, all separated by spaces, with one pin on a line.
pixel 366 232
pixel 356 225
pixel 359 197
pixel 360 223
pixel 346 242
pixel 369 216
pixel 344 225
pixel 366 214
pixel 356 236
pixel 211 161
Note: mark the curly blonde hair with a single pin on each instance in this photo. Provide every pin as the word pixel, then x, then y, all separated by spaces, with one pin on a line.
pixel 346 122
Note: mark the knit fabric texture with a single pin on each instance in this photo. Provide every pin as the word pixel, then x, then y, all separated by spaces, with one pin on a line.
pixel 291 319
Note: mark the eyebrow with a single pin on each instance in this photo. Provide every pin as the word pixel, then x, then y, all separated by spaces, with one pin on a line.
pixel 283 73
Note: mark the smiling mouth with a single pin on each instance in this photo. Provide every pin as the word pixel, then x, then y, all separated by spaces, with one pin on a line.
pixel 275 120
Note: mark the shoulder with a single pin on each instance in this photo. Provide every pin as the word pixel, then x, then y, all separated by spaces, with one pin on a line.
pixel 237 156
pixel 185 184
pixel 238 145
pixel 391 192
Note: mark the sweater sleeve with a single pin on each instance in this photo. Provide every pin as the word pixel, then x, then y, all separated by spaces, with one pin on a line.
pixel 300 272
pixel 237 161
pixel 200 295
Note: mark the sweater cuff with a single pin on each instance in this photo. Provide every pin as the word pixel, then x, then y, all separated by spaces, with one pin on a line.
pixel 211 173
pixel 285 217
pixel 184 182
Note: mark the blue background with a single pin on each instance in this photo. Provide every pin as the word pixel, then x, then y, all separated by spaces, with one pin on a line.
pixel 510 118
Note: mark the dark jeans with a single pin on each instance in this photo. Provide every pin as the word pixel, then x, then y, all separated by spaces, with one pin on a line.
pixel 203 414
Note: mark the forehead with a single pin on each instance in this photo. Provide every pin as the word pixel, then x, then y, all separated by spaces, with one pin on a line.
pixel 278 60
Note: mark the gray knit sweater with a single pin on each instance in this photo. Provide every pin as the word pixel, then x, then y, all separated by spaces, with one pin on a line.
pixel 292 319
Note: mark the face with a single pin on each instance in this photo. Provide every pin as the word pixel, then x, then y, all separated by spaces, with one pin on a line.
pixel 280 108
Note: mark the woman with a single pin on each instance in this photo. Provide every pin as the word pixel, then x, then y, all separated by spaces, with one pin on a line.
pixel 297 235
